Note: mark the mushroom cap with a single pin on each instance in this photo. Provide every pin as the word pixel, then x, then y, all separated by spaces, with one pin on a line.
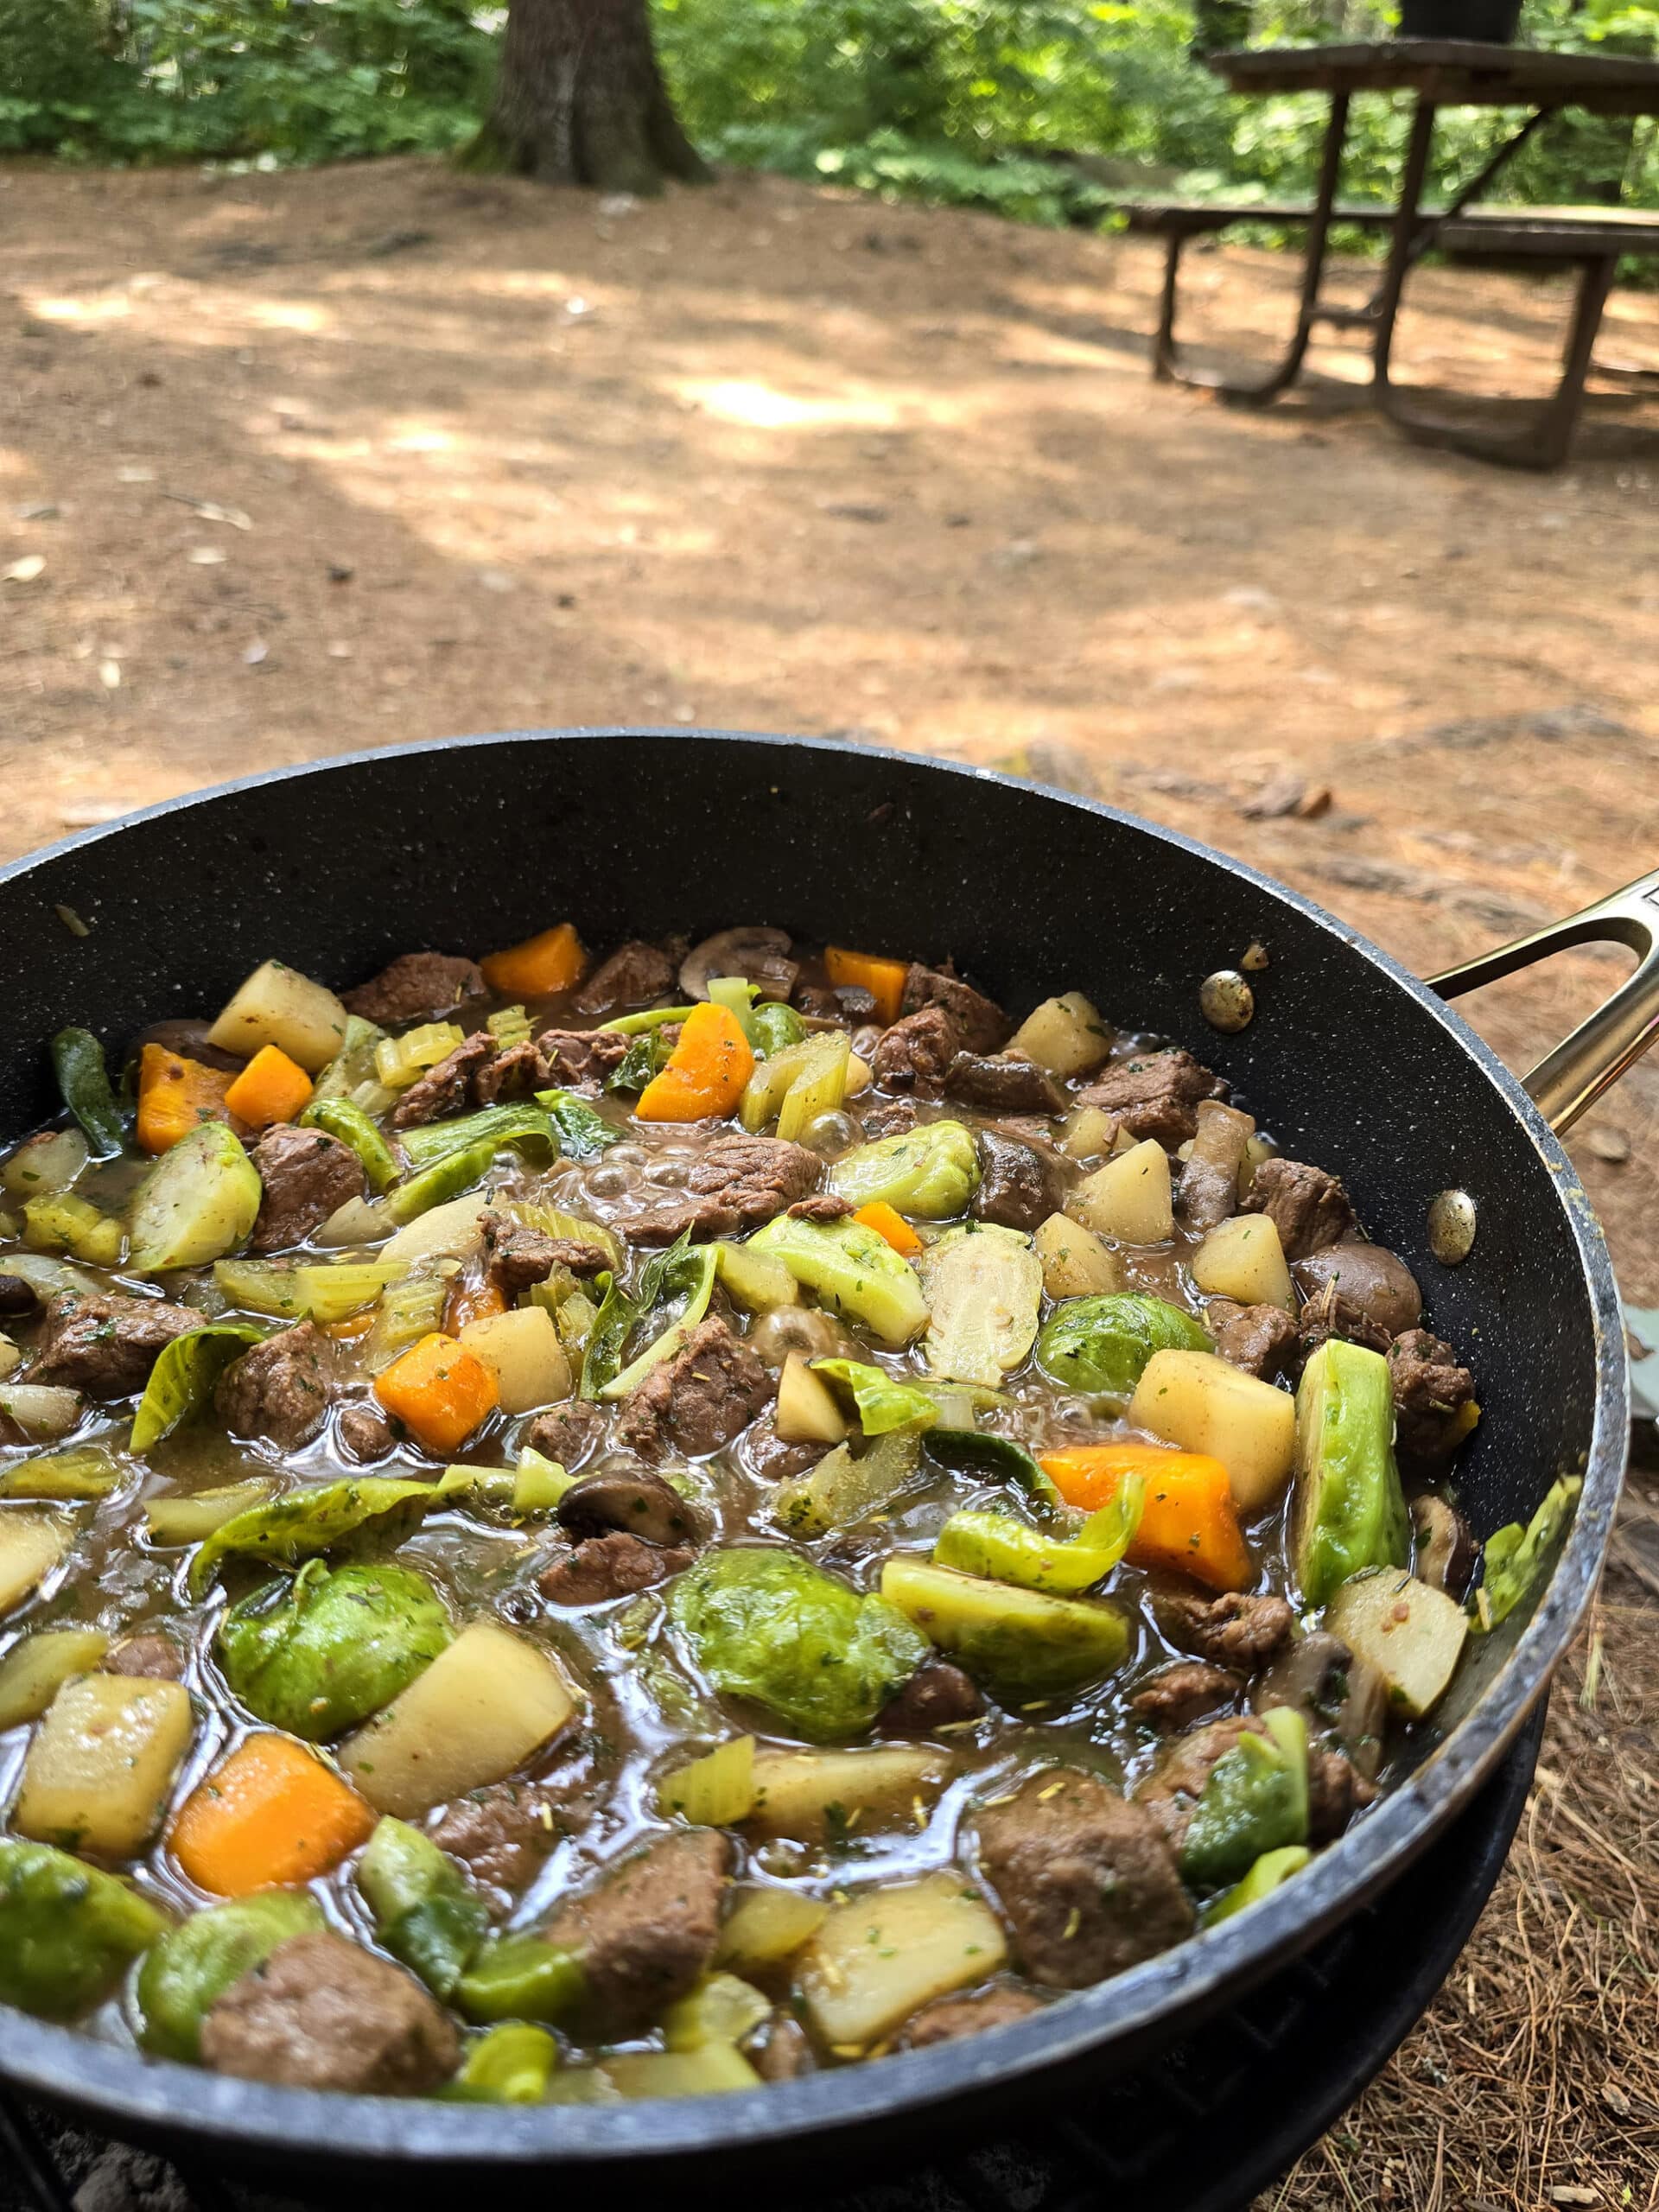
pixel 759 955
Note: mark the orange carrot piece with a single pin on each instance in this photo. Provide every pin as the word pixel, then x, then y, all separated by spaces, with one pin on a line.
pixel 350 1331
pixel 1189 1524
pixel 175 1095
pixel 271 1088
pixel 705 1073
pixel 439 1391
pixel 883 979
pixel 477 1301
pixel 555 961
pixel 270 1813
pixel 891 1226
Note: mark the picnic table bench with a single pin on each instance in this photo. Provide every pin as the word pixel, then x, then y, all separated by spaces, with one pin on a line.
pixel 1441 72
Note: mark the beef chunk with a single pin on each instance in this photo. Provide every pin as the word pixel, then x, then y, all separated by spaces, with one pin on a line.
pixel 600 1568
pixel 635 974
pixel 1336 1791
pixel 1086 1882
pixel 698 1400
pixel 916 1054
pixel 502 1834
pixel 1156 1094
pixel 1328 1315
pixel 1432 1397
pixel 1261 1339
pixel 306 1176
pixel 567 1432
pixel 981 1023
pixel 105 1347
pixel 1232 1630
pixel 647 1934
pixel 1171 1792
pixel 1003 1084
pixel 513 1073
pixel 1367 1278
pixel 823 1205
pixel 416 987
pixel 1309 1208
pixel 363 1431
pixel 323 2013
pixel 947 2019
pixel 1020 1184
pixel 156 1657
pixel 893 1117
pixel 773 1460
pixel 738 1184
pixel 937 1695
pixel 1177 1696
pixel 279 1389
pixel 446 1089
pixel 516 1255
pixel 579 1059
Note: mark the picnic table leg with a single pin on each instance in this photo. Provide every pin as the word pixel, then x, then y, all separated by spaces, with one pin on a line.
pixel 1166 354
pixel 1402 248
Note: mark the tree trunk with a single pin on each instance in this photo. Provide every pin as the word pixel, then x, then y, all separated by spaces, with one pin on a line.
pixel 581 99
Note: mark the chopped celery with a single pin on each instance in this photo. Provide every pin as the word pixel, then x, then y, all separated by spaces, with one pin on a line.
pixel 1265 1875
pixel 83 1080
pixel 721 2010
pixel 819 1088
pixel 522 1977
pixel 44 1276
pixel 709 2071
pixel 455 1173
pixel 511 2065
pixel 35 1669
pixel 584 1132
pixel 335 1294
pixel 767 1088
pixel 193 1519
pixel 531 1127
pixel 1348 1512
pixel 930 1173
pixel 883 1401
pixel 766 1926
pixel 737 995
pixel 576 1320
pixel 638 1025
pixel 842 1489
pixel 271 1286
pixel 715 1791
pixel 400 1061
pixel 536 1486
pixel 509 1026
pixel 853 1271
pixel 344 1121
pixel 538 1482
pixel 410 1309
pixel 182 1379
pixel 576 1227
pixel 351 1075
pixel 774 1027
pixel 984 1288
pixel 69 1476
pixel 62 1222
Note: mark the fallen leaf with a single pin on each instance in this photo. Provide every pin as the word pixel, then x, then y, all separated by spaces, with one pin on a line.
pixel 39 510
pixel 109 675
pixel 211 511
pixel 206 557
pixel 135 475
pixel 26 570
pixel 254 653
pixel 73 922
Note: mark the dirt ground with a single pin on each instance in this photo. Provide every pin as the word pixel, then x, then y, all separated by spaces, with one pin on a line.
pixel 330 459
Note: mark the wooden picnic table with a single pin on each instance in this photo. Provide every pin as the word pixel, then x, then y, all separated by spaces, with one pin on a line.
pixel 1440 72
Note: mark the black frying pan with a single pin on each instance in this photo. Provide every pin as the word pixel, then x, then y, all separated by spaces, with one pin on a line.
pixel 1350 1061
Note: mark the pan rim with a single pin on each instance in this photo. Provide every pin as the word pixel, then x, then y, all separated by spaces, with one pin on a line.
pixel 62 2064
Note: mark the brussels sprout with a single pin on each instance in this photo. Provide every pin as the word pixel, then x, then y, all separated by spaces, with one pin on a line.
pixel 67 1931
pixel 182 1379
pixel 984 1288
pixel 1515 1556
pixel 425 1910
pixel 883 1401
pixel 319 1654
pixel 1022 1644
pixel 1256 1800
pixel 522 1977
pixel 931 1172
pixel 853 1271
pixel 198 1203
pixel 318 1519
pixel 193 1965
pixel 770 1627
pixel 997 1546
pixel 1348 1512
pixel 842 1489
pixel 1102 1343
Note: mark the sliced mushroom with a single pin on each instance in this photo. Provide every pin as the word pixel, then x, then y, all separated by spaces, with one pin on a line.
pixel 1336 1693
pixel 802 1329
pixel 1445 1547
pixel 640 1504
pixel 1367 1275
pixel 760 954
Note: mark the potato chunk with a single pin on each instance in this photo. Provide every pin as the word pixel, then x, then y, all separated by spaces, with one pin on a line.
pixel 278 1006
pixel 1130 1198
pixel 815 1796
pixel 1075 1263
pixel 477 1712
pixel 1412 1633
pixel 102 1762
pixel 521 1349
pixel 1065 1035
pixel 1200 1402
pixel 1242 1258
pixel 31 1544
pixel 884 1954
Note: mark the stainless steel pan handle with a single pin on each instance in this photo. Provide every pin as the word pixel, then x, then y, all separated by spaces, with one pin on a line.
pixel 1569 1080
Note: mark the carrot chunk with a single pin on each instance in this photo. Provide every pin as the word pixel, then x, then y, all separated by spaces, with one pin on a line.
pixel 175 1095
pixel 272 1813
pixel 439 1391
pixel 476 1301
pixel 890 1225
pixel 705 1073
pixel 1189 1524
pixel 883 979
pixel 555 961
pixel 271 1088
